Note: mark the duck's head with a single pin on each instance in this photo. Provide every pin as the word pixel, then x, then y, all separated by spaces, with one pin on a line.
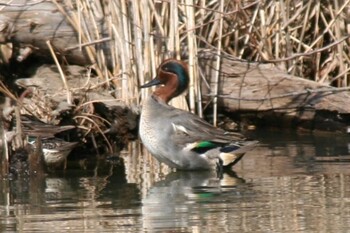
pixel 172 76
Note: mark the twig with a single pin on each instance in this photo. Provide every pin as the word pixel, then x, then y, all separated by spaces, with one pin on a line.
pixel 289 94
pixel 249 34
pixel 63 77
pixel 331 23
pixel 4 90
pixel 98 128
pixel 22 5
pixel 222 12
pixel 88 44
pixel 307 53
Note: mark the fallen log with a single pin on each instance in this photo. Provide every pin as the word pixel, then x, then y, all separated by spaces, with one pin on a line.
pixel 269 96
pixel 30 25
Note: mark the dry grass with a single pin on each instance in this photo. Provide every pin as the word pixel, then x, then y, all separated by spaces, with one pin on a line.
pixel 307 38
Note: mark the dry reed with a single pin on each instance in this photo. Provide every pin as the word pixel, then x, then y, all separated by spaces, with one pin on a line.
pixel 291 34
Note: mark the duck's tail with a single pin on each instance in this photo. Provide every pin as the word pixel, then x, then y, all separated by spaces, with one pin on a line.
pixel 234 152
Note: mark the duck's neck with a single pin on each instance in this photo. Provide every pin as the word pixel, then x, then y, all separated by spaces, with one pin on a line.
pixel 168 91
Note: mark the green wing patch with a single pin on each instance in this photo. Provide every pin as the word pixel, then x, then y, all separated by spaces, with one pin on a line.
pixel 203 146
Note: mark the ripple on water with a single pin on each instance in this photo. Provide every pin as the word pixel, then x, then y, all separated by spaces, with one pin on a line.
pixel 295 184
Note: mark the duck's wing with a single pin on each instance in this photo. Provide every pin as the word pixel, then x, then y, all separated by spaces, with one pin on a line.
pixel 189 128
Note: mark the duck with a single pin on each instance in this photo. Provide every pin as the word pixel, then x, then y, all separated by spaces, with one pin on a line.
pixel 41 135
pixel 54 150
pixel 181 139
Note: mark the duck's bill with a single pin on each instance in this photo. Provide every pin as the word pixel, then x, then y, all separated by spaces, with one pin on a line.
pixel 151 83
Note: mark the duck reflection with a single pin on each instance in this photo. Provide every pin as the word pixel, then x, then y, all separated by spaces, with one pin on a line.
pixel 171 202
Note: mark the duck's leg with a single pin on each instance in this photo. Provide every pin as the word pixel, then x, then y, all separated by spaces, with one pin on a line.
pixel 219 168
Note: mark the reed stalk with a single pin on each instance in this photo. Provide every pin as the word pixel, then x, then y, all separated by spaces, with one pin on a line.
pixel 217 68
pixel 4 151
pixel 63 77
pixel 143 33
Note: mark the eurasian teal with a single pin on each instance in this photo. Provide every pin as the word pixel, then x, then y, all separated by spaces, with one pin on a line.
pixel 54 150
pixel 179 138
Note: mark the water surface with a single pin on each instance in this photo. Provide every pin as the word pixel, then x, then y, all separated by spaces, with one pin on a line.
pixel 290 183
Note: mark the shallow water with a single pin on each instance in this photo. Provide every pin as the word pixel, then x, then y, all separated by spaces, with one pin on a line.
pixel 290 183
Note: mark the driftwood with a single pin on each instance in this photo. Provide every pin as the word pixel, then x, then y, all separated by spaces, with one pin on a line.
pixel 268 95
pixel 30 25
